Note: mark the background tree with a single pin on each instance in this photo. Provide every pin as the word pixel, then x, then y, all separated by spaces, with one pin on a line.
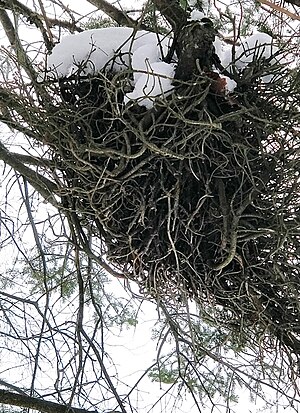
pixel 189 197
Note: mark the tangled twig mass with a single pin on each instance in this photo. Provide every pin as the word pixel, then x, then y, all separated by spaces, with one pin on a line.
pixel 197 197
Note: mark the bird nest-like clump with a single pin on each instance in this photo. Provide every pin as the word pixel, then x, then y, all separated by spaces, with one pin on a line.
pixel 198 196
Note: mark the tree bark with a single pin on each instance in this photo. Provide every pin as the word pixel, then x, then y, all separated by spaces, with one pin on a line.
pixel 173 13
pixel 40 183
pixel 195 50
pixel 117 15
pixel 14 399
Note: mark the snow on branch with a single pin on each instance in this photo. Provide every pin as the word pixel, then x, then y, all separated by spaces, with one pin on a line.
pixel 143 53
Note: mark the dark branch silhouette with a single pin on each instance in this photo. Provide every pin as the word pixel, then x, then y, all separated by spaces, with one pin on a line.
pixel 44 406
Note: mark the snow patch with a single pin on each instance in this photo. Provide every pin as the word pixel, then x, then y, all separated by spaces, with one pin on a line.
pixel 197 15
pixel 112 46
pixel 123 48
pixel 257 46
pixel 230 84
pixel 117 48
pixel 156 81
pixel 142 57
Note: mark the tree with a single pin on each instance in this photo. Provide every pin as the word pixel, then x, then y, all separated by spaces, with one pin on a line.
pixel 177 174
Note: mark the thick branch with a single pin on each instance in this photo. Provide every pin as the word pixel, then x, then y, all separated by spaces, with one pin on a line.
pixel 14 399
pixel 71 26
pixel 8 27
pixel 12 387
pixel 14 40
pixel 118 15
pixel 173 13
pixel 33 160
pixel 32 16
pixel 40 183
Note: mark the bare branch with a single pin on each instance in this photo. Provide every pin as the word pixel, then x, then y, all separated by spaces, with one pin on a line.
pixel 119 16
pixel 12 387
pixel 282 9
pixel 174 14
pixel 71 26
pixel 43 185
pixel 15 42
pixel 14 399
pixel 33 160
pixel 32 16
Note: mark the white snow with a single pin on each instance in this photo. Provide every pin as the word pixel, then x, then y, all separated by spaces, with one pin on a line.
pixel 122 48
pixel 143 57
pixel 98 47
pixel 155 81
pixel 116 48
pixel 223 51
pixel 230 83
pixel 226 57
pixel 218 45
pixel 259 45
pixel 197 15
